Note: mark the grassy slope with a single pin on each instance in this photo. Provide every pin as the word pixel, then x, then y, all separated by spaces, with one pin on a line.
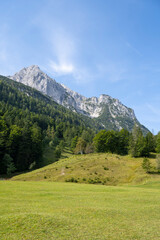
pixel 108 169
pixel 66 211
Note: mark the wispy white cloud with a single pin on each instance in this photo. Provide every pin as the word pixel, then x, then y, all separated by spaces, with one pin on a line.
pixel 63 50
pixel 135 50
pixel 66 55
pixel 61 68
pixel 65 60
pixel 60 45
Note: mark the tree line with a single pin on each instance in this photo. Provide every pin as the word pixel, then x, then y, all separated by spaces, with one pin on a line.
pixel 30 122
pixel 120 142
pixel 124 142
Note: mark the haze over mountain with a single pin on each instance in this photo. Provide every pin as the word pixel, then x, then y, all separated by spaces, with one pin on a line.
pixel 109 111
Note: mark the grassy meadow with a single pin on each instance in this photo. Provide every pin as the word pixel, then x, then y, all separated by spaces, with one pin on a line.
pixel 97 168
pixel 44 204
pixel 51 210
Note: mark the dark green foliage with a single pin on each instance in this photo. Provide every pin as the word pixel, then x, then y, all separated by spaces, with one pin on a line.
pixel 106 168
pixel 158 143
pixel 88 135
pixel 94 181
pixel 58 152
pixel 72 179
pixel 141 146
pixel 8 162
pixel 74 143
pixel 124 142
pixel 62 145
pixel 150 142
pixel 112 141
pixel 31 121
pixel 100 141
pixel 3 147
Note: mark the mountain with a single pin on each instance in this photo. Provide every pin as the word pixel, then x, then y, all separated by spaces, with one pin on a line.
pixel 34 129
pixel 108 111
pixel 18 95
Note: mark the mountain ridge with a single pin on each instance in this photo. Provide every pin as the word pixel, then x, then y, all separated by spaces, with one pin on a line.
pixel 109 111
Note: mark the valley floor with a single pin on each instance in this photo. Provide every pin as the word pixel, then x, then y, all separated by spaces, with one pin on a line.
pixel 48 210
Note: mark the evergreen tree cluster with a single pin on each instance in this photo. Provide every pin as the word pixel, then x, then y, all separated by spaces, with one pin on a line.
pixel 123 142
pixel 112 141
pixel 19 146
pixel 30 121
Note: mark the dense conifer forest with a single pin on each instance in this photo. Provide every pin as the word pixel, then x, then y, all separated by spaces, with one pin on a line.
pixel 30 122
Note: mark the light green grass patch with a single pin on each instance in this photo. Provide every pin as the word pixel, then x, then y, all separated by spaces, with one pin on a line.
pixel 47 210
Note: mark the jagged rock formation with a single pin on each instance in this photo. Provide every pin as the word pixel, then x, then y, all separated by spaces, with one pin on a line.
pixel 109 111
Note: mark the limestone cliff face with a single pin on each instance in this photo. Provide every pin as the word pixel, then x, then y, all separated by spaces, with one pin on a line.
pixel 109 111
pixel 32 76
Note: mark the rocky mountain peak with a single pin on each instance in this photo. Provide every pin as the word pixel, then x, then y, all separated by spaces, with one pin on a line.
pixel 27 71
pixel 34 77
pixel 110 111
pixel 32 68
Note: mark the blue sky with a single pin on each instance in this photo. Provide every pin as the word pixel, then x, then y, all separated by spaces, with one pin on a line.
pixel 91 46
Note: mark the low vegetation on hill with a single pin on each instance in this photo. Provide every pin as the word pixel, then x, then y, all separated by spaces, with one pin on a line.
pixel 98 168
pixel 34 131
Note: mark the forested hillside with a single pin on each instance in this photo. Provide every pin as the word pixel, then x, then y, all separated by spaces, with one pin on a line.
pixel 32 124
pixel 29 121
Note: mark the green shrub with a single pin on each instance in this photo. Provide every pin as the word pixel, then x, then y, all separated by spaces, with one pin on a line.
pixel 158 162
pixel 146 165
pixel 72 179
pixel 106 168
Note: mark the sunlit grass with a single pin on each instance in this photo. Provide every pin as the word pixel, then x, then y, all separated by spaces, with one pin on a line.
pixel 47 210
pixel 106 169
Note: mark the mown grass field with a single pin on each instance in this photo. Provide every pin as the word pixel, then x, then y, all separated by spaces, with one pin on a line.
pixel 66 211
pixel 97 168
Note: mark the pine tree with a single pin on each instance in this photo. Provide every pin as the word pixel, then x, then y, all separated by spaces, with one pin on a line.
pixel 123 142
pixel 150 142
pixel 158 143
pixel 8 160
pixel 80 147
pixel 99 141
pixel 137 143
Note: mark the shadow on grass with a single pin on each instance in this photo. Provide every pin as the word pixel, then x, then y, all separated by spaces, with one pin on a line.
pixel 63 156
pixel 154 172
pixel 152 155
pixel 7 177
